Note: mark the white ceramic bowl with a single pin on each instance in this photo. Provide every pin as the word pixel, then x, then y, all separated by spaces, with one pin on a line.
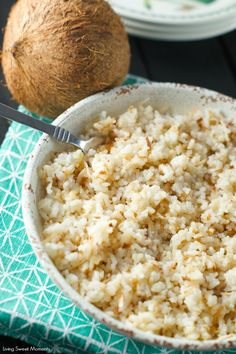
pixel 178 99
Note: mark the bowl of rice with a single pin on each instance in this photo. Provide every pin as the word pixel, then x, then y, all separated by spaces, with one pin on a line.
pixel 141 232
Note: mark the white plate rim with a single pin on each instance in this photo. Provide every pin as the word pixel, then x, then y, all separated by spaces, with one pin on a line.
pixel 185 36
pixel 177 29
pixel 189 18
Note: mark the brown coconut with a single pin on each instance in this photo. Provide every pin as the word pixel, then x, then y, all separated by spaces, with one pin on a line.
pixel 57 52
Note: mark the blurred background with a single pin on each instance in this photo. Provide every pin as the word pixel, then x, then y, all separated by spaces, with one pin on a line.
pixel 209 63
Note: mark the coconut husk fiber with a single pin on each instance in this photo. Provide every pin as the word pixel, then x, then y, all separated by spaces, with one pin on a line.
pixel 57 52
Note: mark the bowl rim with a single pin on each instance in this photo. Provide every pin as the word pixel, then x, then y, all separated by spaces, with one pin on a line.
pixel 51 270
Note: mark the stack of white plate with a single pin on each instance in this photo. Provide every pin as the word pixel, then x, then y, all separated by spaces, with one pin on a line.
pixel 176 19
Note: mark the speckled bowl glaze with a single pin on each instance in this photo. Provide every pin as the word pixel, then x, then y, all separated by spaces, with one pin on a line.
pixel 173 97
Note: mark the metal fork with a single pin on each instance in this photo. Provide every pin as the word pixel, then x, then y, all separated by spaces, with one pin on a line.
pixel 56 132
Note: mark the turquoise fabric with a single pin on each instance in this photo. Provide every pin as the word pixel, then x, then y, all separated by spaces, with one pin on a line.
pixel 32 308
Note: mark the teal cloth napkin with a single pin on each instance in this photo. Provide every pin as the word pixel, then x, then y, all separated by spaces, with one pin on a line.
pixel 32 308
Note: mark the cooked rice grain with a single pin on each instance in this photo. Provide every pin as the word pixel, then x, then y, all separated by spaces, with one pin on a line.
pixel 145 227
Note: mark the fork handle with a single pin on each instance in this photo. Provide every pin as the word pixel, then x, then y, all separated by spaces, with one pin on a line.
pixel 56 132
pixel 16 116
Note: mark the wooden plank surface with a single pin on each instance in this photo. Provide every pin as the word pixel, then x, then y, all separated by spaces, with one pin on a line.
pixel 137 66
pixel 228 43
pixel 201 63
